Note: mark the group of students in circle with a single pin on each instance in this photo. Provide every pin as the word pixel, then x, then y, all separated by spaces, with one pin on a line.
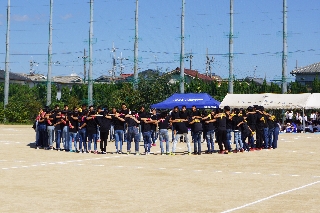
pixel 77 129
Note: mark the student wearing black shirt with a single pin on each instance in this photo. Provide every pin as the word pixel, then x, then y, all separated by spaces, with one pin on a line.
pixel 197 129
pixel 222 131
pixel 133 131
pixel 73 129
pixel 83 131
pixel 104 122
pixel 65 127
pixel 113 112
pixel 175 114
pixel 141 114
pixel 154 133
pixel 124 111
pixel 252 123
pixel 50 129
pixel 210 128
pixel 259 130
pixel 265 127
pixel 271 126
pixel 181 130
pixel 118 120
pixel 237 120
pixel 146 132
pixel 164 124
pixel 42 129
pixel 228 126
pixel 92 131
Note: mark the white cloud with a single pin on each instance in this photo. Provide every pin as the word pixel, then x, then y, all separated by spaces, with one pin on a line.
pixel 20 17
pixel 67 16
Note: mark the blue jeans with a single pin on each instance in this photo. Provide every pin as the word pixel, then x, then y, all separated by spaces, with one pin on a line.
pixel 147 141
pixel 164 137
pixel 229 137
pixel 112 132
pixel 270 136
pixel 196 136
pixel 83 139
pixel 154 136
pixel 177 138
pixel 118 136
pixel 237 140
pixel 133 134
pixel 42 140
pixel 92 137
pixel 210 140
pixel 50 130
pixel 275 137
pixel 65 137
pixel 74 137
pixel 266 137
pixel 58 138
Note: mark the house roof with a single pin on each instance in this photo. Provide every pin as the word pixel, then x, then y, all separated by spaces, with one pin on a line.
pixel 34 77
pixel 196 74
pixel 310 69
pixel 67 79
pixel 13 76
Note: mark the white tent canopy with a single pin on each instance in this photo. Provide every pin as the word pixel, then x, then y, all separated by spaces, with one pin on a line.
pixel 273 101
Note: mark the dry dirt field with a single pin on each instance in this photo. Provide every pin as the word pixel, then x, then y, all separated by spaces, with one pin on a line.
pixel 283 180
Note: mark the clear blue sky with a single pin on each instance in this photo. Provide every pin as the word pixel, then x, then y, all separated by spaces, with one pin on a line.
pixel 257 27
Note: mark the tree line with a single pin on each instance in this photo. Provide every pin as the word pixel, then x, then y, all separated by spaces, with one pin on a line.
pixel 25 102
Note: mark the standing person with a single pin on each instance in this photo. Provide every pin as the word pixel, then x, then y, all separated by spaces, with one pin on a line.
pixel 175 114
pixel 196 134
pixel 50 129
pixel 57 128
pixel 229 126
pixel 265 127
pixel 113 112
pixel 183 114
pixel 271 127
pixel 277 127
pixel 133 132
pixel 83 131
pixel 180 130
pixel 260 126
pixel 164 124
pixel 210 127
pixel 147 133
pixel 92 131
pixel 104 122
pixel 124 111
pixel 222 131
pixel 141 114
pixel 245 133
pixel 154 127
pixel 65 127
pixel 118 120
pixel 42 140
pixel 252 123
pixel 237 120
pixel 73 129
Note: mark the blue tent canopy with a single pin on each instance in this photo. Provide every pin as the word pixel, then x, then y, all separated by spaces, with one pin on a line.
pixel 200 100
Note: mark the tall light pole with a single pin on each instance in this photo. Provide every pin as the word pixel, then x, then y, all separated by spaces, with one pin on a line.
pixel 90 83
pixel 284 53
pixel 230 82
pixel 6 78
pixel 182 49
pixel 135 59
pixel 49 56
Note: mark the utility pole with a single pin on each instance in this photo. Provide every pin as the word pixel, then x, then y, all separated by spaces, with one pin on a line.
pixel 84 57
pixel 135 60
pixel 49 56
pixel 182 49
pixel 114 64
pixel 191 57
pixel 6 78
pixel 284 53
pixel 207 63
pixel 230 84
pixel 90 83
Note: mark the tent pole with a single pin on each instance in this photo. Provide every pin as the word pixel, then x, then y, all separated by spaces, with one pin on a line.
pixel 303 121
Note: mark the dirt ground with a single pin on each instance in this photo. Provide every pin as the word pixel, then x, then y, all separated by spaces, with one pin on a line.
pixel 286 179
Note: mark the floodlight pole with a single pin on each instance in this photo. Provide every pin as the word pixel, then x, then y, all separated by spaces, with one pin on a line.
pixel 285 51
pixel 6 78
pixel 136 44
pixel 49 56
pixel 230 82
pixel 182 49
pixel 90 83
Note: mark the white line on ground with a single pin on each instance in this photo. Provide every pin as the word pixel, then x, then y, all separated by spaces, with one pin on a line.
pixel 269 197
